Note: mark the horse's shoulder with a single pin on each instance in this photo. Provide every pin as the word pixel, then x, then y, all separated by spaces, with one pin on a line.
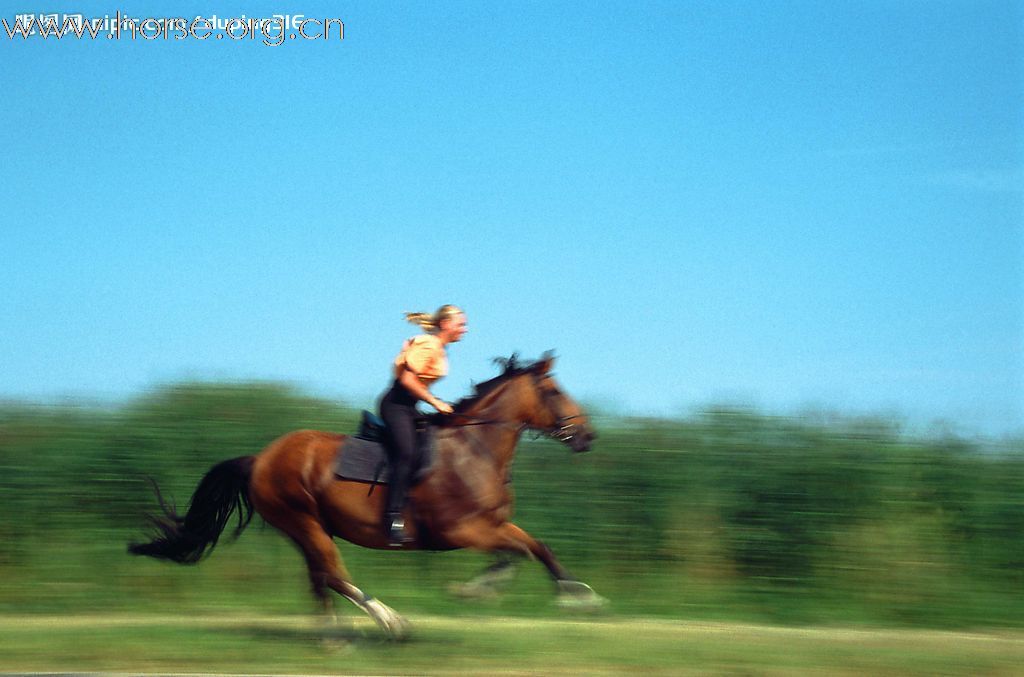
pixel 448 441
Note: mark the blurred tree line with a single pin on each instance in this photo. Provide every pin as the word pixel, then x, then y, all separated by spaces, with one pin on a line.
pixel 728 515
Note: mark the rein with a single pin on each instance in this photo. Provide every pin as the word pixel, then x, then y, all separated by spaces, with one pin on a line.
pixel 563 430
pixel 470 420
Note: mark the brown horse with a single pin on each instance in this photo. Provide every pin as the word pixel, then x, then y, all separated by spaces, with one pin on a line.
pixel 463 501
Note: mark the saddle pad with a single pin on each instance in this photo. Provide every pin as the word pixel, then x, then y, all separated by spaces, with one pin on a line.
pixel 365 460
pixel 362 460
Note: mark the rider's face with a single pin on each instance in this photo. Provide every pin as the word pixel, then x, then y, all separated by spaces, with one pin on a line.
pixel 454 327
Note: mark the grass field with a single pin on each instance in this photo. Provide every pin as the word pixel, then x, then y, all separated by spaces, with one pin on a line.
pixel 509 646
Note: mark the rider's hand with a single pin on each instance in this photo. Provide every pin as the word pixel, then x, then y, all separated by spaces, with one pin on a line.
pixel 443 407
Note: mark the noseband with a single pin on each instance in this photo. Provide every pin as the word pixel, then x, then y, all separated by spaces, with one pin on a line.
pixel 562 430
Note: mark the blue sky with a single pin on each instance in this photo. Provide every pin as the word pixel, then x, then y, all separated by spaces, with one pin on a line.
pixel 791 205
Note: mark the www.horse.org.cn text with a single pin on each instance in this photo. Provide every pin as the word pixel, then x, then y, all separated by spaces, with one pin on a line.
pixel 273 31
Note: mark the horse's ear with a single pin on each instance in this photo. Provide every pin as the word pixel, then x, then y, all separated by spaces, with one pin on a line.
pixel 507 364
pixel 546 362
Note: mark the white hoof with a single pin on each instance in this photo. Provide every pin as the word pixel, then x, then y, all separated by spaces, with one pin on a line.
pixel 393 625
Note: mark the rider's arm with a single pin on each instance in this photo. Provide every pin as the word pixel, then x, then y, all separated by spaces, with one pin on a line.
pixel 408 379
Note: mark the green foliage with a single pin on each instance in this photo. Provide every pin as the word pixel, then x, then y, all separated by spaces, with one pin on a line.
pixel 729 515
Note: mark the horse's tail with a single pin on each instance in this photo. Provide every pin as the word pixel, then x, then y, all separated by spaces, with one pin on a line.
pixel 186 540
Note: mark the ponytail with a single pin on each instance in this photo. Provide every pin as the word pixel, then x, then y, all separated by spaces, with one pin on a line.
pixel 424 320
pixel 432 323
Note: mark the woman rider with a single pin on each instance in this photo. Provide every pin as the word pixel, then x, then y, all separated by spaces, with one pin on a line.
pixel 422 361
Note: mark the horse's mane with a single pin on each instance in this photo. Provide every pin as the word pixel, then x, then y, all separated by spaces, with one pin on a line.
pixel 511 368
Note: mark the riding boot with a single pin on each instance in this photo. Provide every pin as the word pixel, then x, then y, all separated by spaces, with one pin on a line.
pixel 394 523
pixel 399 413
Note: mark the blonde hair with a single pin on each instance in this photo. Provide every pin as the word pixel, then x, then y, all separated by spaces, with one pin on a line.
pixel 432 323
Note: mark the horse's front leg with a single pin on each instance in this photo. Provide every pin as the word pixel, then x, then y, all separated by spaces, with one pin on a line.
pixel 509 538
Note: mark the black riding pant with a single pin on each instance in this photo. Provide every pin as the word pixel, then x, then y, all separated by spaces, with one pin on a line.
pixel 398 409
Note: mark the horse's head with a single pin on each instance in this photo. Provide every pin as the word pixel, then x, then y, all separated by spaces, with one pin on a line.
pixel 528 396
pixel 551 411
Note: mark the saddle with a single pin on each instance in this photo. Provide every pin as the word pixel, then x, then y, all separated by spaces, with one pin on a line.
pixel 363 457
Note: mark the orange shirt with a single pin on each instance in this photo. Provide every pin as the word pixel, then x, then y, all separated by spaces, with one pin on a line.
pixel 425 356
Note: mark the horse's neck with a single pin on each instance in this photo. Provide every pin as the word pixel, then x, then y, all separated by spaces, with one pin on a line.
pixel 500 428
pixel 492 446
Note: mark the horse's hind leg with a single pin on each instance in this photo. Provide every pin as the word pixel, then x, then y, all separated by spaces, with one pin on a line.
pixel 491 581
pixel 326 571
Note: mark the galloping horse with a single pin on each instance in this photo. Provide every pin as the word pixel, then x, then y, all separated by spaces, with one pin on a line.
pixel 462 502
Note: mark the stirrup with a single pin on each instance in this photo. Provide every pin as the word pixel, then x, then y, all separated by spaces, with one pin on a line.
pixel 397 536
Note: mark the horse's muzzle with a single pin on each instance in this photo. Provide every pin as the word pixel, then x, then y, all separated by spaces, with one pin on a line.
pixel 582 441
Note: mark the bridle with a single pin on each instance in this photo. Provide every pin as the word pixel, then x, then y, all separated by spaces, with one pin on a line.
pixel 563 429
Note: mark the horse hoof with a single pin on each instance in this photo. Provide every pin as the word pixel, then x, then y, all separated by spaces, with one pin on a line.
pixel 402 630
pixel 588 604
pixel 396 630
pixel 577 596
pixel 394 626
